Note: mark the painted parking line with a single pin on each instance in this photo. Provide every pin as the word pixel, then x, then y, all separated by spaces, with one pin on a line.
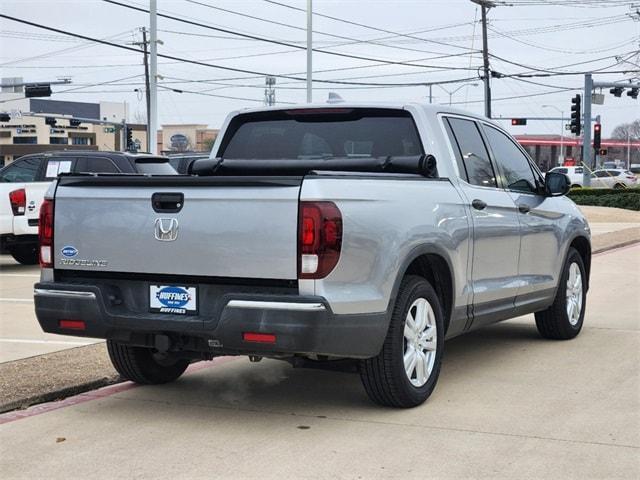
pixel 97 394
pixel 17 300
pixel 20 275
pixel 44 342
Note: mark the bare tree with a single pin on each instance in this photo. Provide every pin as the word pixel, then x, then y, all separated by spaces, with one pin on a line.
pixel 632 130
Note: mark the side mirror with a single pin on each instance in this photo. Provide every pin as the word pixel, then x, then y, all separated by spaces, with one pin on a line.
pixel 557 184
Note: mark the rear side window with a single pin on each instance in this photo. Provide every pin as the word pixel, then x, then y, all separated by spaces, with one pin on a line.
pixel 321 133
pixel 578 170
pixel 22 170
pixel 614 173
pixel 96 165
pixel 473 151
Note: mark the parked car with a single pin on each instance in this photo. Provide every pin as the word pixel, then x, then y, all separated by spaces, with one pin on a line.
pixel 24 182
pixel 315 234
pixel 181 161
pixel 613 178
pixel 574 173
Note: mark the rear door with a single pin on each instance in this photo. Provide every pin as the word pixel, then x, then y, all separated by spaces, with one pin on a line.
pixel 496 230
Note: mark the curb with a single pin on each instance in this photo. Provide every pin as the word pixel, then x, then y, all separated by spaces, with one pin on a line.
pixel 615 246
pixel 59 394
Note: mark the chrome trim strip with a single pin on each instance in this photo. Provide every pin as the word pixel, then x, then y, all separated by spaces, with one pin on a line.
pixel 41 292
pixel 260 305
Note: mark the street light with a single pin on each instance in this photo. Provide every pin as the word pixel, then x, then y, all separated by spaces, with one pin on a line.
pixel 451 92
pixel 561 156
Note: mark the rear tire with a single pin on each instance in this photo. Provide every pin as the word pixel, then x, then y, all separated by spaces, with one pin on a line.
pixel 619 186
pixel 25 254
pixel 561 321
pixel 412 339
pixel 143 365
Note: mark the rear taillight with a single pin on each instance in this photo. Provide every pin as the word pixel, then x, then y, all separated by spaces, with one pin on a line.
pixel 319 239
pixel 18 200
pixel 45 234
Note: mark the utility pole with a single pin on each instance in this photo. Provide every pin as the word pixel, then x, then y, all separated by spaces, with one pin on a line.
pixel 309 51
pixel 144 44
pixel 152 119
pixel 586 131
pixel 270 91
pixel 147 91
pixel 485 5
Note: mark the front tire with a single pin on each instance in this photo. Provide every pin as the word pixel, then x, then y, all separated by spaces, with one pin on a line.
pixel 406 370
pixel 25 254
pixel 564 318
pixel 143 365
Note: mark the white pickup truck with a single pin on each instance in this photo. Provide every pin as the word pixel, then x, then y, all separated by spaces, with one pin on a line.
pixel 24 182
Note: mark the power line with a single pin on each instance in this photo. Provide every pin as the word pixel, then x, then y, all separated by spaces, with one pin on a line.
pixel 377 29
pixel 278 42
pixel 196 62
pixel 352 40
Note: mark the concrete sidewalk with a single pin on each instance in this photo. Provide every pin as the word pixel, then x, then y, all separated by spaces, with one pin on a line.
pixel 508 405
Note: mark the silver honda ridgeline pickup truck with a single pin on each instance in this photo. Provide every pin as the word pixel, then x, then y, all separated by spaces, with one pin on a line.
pixel 321 235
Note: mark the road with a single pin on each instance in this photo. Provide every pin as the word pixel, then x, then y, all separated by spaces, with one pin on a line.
pixel 509 404
pixel 20 333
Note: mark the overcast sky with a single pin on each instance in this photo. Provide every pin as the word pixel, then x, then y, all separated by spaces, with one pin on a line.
pixel 537 34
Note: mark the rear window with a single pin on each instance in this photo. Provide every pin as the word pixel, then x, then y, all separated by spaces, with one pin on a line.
pixel 154 166
pixel 321 134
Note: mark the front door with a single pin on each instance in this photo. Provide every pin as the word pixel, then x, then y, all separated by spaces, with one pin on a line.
pixel 541 226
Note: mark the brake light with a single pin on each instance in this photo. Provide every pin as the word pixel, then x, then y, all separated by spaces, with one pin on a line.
pixel 319 239
pixel 18 200
pixel 45 234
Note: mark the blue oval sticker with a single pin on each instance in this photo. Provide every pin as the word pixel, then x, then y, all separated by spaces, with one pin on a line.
pixel 173 297
pixel 69 251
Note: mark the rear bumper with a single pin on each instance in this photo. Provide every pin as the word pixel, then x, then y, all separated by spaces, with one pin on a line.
pixel 8 241
pixel 302 325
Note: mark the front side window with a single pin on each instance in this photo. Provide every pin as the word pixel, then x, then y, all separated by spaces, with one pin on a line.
pixel 513 163
pixel 24 170
pixel 475 157
pixel 559 170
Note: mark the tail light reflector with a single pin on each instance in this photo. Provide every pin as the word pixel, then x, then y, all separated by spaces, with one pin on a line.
pixel 45 234
pixel 259 337
pixel 319 239
pixel 18 200
pixel 72 324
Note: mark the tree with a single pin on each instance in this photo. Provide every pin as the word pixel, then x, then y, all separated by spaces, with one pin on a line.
pixel 208 144
pixel 632 130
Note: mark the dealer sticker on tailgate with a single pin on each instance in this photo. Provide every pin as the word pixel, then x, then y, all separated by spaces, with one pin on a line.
pixel 173 299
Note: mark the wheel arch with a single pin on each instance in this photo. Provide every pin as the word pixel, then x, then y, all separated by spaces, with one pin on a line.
pixel 583 246
pixel 432 263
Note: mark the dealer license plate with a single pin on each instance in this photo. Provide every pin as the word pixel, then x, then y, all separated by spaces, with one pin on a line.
pixel 174 299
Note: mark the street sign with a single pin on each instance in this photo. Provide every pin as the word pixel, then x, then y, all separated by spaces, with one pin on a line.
pixel 109 130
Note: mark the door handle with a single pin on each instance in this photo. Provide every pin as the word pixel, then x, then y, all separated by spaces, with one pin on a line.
pixel 479 204
pixel 522 208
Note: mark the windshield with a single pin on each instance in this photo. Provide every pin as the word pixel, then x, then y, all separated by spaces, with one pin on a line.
pixel 321 134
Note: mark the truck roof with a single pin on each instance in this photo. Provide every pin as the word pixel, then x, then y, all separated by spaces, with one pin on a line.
pixel 429 108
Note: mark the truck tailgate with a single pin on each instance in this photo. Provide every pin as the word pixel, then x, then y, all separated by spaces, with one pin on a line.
pixel 228 227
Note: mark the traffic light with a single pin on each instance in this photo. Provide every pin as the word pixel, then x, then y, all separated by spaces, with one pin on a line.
pixel 50 121
pixel 518 121
pixel 616 91
pixel 74 122
pixel 129 138
pixel 36 90
pixel 576 115
pixel 597 128
pixel 633 93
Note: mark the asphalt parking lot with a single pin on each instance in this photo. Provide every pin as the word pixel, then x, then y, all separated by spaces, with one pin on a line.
pixel 509 404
